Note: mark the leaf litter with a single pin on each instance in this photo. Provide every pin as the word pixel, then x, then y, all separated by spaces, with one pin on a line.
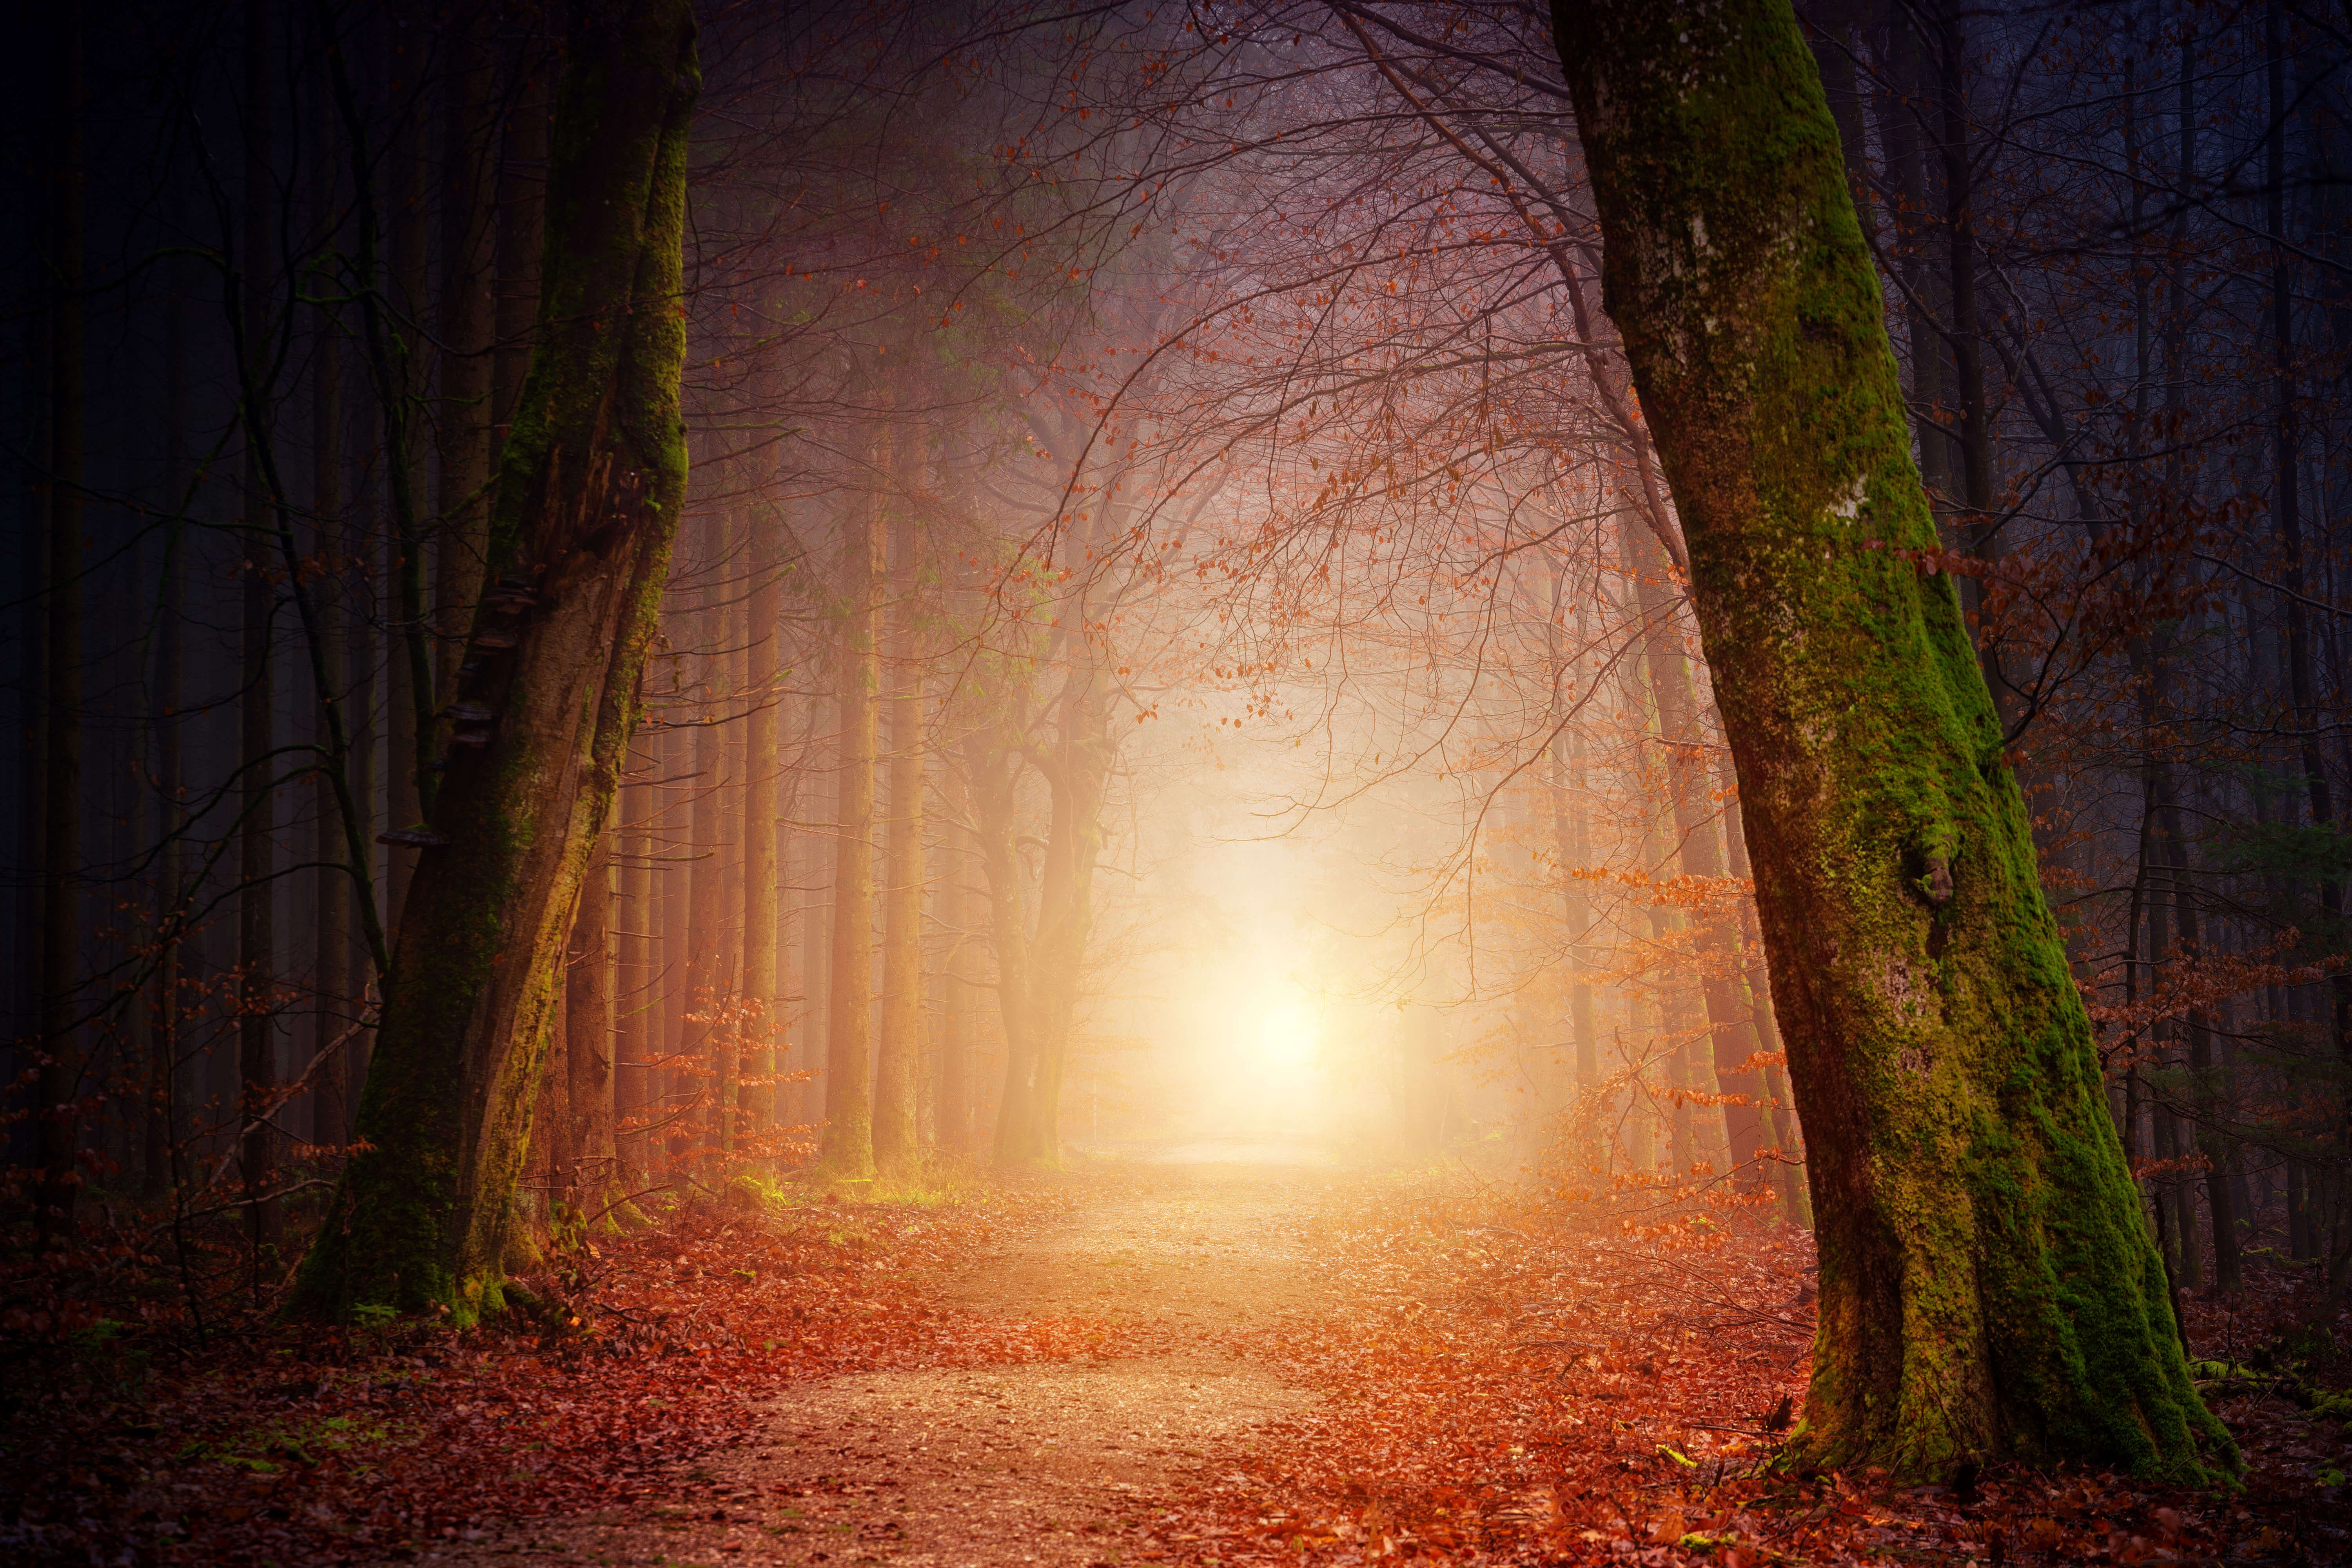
pixel 1123 1367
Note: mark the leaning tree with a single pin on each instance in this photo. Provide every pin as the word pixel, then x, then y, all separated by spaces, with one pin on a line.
pixel 587 504
pixel 1988 1287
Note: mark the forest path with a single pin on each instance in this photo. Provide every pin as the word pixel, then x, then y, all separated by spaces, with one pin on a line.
pixel 1053 1463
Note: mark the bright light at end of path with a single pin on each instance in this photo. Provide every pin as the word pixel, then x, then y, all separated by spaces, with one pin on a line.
pixel 1287 1035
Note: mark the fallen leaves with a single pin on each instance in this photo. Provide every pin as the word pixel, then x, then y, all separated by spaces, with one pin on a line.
pixel 322 1445
pixel 1497 1385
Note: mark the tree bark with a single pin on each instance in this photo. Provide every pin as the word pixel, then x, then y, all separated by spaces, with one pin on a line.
pixel 763 1002
pixel 1979 533
pixel 1075 778
pixel 1901 132
pixel 466 314
pixel 398 350
pixel 1731 1029
pixel 165 697
pixel 733 799
pixel 899 1058
pixel 670 1082
pixel 2287 513
pixel 816 926
pixel 2206 1083
pixel 60 1085
pixel 1788 1137
pixel 634 1044
pixel 1571 834
pixel 704 1042
pixel 521 227
pixel 960 912
pixel 588 1172
pixel 587 504
pixel 256 1042
pixel 992 780
pixel 1987 1288
pixel 332 1002
pixel 1679 1019
pixel 1834 27
pixel 847 1151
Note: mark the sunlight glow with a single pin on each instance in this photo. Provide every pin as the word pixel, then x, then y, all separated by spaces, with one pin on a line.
pixel 1287 1039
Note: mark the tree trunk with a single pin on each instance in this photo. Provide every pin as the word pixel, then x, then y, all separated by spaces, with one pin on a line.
pixel 365 649
pixel 1834 26
pixel 1987 1288
pixel 256 1034
pixel 588 1039
pixel 763 1002
pixel 1731 1029
pixel 399 355
pixel 1081 761
pixel 588 498
pixel 1901 133
pixel 60 1085
pixel 733 796
pixel 670 1082
pixel 2286 512
pixel 1788 1137
pixel 705 1044
pixel 1679 1020
pixel 992 778
pixel 2205 1081
pixel 466 314
pixel 959 913
pixel 847 1149
pixel 899 1059
pixel 634 1043
pixel 1570 834
pixel 521 227
pixel 1979 533
pixel 332 1005
pixel 166 696
pixel 817 928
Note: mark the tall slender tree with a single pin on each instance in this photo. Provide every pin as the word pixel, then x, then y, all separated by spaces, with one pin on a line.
pixel 584 1135
pixel 256 953
pixel 330 877
pixel 61 1072
pixel 763 1000
pixel 465 315
pixel 847 1151
pixel 898 1060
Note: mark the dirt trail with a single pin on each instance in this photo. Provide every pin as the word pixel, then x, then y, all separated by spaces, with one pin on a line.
pixel 1056 1463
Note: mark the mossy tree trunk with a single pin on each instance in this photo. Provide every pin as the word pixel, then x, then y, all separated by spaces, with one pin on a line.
pixel 590 484
pixel 1987 1288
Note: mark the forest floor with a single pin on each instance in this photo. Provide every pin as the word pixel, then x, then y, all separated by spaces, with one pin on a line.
pixel 1190 1357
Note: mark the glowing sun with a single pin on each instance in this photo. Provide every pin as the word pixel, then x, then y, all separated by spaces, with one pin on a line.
pixel 1288 1035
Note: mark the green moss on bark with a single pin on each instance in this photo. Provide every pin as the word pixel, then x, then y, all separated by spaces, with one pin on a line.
pixel 1987 1288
